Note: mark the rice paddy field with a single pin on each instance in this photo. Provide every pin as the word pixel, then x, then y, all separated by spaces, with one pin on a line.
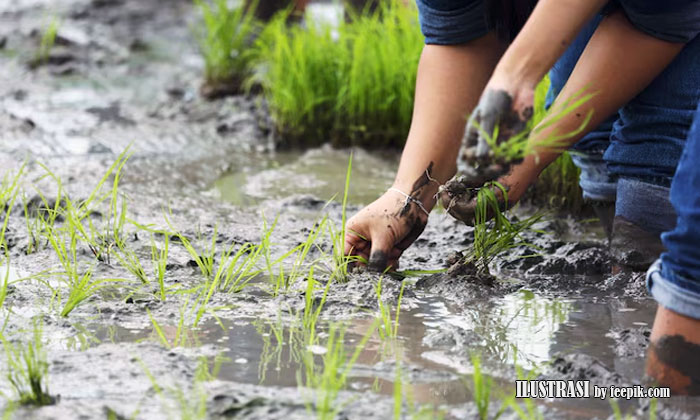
pixel 174 180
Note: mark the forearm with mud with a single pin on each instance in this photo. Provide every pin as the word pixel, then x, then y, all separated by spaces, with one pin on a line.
pixel 449 82
pixel 617 64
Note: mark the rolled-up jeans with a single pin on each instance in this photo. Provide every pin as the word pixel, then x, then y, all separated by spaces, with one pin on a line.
pixel 674 280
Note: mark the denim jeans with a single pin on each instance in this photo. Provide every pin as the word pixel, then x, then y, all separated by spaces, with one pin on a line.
pixel 674 280
pixel 640 144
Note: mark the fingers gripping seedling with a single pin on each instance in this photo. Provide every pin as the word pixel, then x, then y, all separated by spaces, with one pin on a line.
pixel 497 138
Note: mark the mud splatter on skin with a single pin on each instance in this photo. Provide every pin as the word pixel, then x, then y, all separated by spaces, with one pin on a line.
pixel 681 355
pixel 417 188
pixel 413 215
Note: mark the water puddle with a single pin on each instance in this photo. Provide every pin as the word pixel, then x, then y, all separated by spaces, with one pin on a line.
pixel 435 341
pixel 319 172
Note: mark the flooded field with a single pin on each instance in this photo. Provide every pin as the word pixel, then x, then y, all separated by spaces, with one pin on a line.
pixel 157 337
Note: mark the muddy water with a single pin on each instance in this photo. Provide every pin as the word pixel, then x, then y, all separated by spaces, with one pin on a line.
pixel 128 74
pixel 318 172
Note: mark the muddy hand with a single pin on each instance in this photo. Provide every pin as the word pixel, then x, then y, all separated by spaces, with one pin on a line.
pixel 458 195
pixel 496 110
pixel 380 232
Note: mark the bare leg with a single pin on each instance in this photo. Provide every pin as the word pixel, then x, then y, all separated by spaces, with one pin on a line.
pixel 672 359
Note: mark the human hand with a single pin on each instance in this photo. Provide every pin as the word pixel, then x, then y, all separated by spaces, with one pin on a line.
pixel 501 113
pixel 459 195
pixel 380 232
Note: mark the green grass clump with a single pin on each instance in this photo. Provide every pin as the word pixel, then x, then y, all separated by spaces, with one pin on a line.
pixel 79 280
pixel 78 228
pixel 27 369
pixel 224 41
pixel 353 84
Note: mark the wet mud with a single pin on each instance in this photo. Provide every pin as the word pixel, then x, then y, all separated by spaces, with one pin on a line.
pixel 127 73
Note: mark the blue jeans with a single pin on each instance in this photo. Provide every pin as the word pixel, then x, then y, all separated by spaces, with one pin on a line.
pixel 645 138
pixel 632 156
pixel 674 280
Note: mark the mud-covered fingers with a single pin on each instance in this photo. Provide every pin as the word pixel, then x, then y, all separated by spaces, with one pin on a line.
pixel 495 106
pixel 461 208
pixel 379 256
pixel 471 135
pixel 355 242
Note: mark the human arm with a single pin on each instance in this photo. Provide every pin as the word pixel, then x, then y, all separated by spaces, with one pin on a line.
pixel 449 81
pixel 618 63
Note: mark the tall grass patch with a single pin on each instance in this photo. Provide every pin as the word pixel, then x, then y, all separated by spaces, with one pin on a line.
pixel 224 38
pixel 352 84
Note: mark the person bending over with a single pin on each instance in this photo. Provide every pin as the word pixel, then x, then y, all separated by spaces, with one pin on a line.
pixel 642 61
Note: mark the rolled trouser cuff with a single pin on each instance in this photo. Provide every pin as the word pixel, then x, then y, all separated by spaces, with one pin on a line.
pixel 671 294
pixel 646 205
pixel 595 181
pixel 443 25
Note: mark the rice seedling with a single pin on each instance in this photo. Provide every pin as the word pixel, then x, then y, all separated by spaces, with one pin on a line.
pixel 558 186
pixel 77 215
pixel 481 388
pixel 180 337
pixel 48 39
pixel 499 235
pixel 354 83
pixel 204 258
pixel 80 282
pixel 241 268
pixel 207 371
pixel 224 272
pixel 129 260
pixel 159 258
pixel 312 309
pixel 8 194
pixel 5 283
pixel 331 377
pixel 224 41
pixel 300 265
pixel 376 92
pixel 27 369
pixel 341 262
pixel 514 148
pixel 33 226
